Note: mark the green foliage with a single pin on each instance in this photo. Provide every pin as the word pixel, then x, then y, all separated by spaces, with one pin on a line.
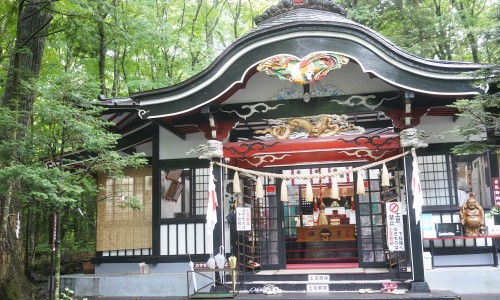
pixel 494 211
pixel 67 295
pixel 437 29
pixel 481 117
pixel 131 202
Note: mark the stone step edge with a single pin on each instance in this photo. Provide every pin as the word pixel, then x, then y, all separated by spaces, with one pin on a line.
pixel 324 282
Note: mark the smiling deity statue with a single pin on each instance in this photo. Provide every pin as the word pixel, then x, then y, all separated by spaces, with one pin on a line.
pixel 472 217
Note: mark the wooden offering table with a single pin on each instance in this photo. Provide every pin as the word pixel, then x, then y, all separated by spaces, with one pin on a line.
pixel 326 233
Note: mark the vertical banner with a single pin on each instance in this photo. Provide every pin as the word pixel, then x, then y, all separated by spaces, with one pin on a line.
pixel 243 219
pixel 496 190
pixel 395 228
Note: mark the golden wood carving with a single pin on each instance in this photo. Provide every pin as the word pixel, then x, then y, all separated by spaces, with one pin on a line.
pixel 328 125
pixel 472 217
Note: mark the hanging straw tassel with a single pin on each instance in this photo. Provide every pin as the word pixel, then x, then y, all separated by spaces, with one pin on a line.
pixel 360 184
pixel 334 193
pixel 309 192
pixel 236 183
pixel 284 192
pixel 259 189
pixel 385 176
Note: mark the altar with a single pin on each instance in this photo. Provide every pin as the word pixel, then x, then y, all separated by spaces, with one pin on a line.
pixel 326 233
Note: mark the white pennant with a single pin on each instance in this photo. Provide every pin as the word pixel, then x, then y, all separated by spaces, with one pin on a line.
pixel 334 193
pixel 418 197
pixel 309 192
pixel 284 192
pixel 360 184
pixel 236 183
pixel 18 227
pixel 259 189
pixel 384 181
pixel 211 204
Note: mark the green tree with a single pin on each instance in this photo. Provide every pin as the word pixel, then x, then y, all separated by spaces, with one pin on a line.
pixel 464 30
pixel 482 122
pixel 66 145
pixel 31 27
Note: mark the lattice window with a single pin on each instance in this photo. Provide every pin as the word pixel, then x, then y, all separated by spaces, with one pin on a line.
pixel 201 190
pixel 184 191
pixel 438 186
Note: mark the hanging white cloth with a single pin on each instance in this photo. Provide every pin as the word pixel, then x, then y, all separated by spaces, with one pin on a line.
pixel 418 198
pixel 212 204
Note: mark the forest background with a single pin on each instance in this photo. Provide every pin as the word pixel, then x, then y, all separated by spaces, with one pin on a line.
pixel 57 58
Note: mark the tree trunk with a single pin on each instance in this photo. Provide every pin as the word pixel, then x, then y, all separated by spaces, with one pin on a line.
pixel 33 20
pixel 101 17
pixel 102 56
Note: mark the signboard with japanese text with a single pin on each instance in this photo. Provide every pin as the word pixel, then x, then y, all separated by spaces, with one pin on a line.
pixel 395 227
pixel 496 190
pixel 243 218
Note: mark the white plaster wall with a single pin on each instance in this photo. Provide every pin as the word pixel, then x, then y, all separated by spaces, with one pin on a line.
pixel 147 148
pixel 440 125
pixel 350 79
pixel 173 147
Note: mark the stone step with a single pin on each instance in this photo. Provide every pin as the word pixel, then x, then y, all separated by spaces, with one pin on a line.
pixel 435 295
pixel 323 286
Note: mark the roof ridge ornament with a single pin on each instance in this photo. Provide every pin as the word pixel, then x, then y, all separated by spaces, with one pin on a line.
pixel 287 5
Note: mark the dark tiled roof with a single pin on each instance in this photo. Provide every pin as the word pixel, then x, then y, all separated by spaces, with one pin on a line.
pixel 303 15
pixel 313 17
pixel 287 5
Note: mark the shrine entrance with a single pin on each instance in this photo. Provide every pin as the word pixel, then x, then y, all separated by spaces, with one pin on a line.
pixel 321 232
pixel 339 230
pixel 346 230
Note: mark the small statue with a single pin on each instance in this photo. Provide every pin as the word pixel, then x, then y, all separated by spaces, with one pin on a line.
pixel 472 217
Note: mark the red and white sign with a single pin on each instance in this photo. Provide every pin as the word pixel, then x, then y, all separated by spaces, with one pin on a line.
pixel 395 228
pixel 496 190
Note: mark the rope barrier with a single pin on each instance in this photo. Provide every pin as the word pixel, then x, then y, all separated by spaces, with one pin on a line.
pixel 312 176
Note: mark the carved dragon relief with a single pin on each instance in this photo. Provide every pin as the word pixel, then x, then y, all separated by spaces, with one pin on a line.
pixel 317 126
pixel 412 137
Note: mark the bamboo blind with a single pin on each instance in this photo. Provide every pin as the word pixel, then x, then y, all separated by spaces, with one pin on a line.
pixel 119 227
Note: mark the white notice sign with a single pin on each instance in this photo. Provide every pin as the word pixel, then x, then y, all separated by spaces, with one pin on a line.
pixel 243 219
pixel 395 228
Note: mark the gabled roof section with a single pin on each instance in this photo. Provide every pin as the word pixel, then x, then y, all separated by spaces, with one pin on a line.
pixel 301 27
